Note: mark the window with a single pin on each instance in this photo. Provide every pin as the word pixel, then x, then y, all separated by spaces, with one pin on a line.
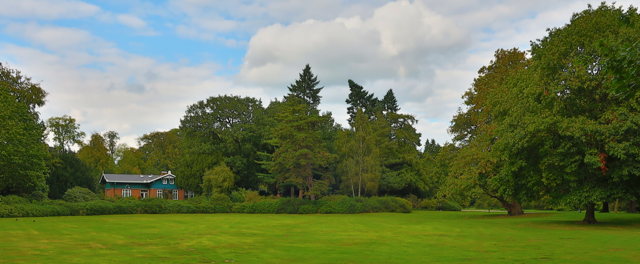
pixel 171 181
pixel 126 192
pixel 175 194
pixel 190 194
pixel 144 194
pixel 164 181
pixel 159 194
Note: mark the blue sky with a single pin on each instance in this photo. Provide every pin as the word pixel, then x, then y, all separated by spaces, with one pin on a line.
pixel 135 66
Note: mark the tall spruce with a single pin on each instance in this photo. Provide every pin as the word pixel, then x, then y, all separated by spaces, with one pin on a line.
pixel 360 98
pixel 306 88
pixel 389 103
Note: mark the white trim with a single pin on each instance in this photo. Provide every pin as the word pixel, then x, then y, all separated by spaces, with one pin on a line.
pixel 171 181
pixel 175 195
pixel 159 193
pixel 126 193
pixel 164 181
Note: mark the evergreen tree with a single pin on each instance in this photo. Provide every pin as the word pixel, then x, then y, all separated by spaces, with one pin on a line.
pixel 306 88
pixel 360 98
pixel 389 104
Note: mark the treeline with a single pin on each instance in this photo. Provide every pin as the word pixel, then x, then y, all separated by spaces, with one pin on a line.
pixel 554 127
pixel 226 143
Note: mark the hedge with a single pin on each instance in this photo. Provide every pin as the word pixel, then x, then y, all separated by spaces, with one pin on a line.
pixel 13 206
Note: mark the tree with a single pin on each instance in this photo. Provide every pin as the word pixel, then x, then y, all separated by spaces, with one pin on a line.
pixel 218 180
pixel 130 160
pixel 389 103
pixel 23 153
pixel 306 88
pixel 477 168
pixel 68 171
pixel 160 151
pixel 96 155
pixel 23 89
pixel 223 128
pixel 431 148
pixel 360 98
pixel 571 120
pixel 360 164
pixel 299 147
pixel 66 132
pixel 111 137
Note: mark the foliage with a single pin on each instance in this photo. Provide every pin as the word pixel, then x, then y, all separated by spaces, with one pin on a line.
pixel 65 131
pixel 130 160
pixel 111 137
pixel 22 149
pixel 78 195
pixel 222 128
pixel 360 162
pixel 445 205
pixel 160 151
pixel 68 171
pixel 360 99
pixel 299 145
pixel 96 155
pixel 218 180
pixel 306 88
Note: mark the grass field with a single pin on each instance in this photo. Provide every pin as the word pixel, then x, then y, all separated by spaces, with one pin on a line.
pixel 418 237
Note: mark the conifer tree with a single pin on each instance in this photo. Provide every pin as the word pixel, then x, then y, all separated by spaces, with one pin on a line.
pixel 360 98
pixel 306 88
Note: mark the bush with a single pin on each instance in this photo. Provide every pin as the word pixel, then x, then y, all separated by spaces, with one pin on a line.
pixel 13 199
pixel 38 196
pixel 78 195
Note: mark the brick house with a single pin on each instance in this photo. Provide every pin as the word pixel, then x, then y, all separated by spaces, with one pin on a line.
pixel 142 186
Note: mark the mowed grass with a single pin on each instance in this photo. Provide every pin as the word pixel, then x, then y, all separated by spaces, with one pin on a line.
pixel 418 237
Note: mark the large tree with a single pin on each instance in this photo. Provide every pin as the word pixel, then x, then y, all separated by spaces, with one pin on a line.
pixel 23 153
pixel 222 128
pixel 66 132
pixel 96 155
pixel 477 168
pixel 360 98
pixel 160 151
pixel 299 147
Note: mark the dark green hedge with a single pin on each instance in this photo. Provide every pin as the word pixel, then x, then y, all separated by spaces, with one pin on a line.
pixel 17 207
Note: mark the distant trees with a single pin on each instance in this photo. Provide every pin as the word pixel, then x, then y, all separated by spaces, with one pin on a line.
pixel 219 180
pixel 66 132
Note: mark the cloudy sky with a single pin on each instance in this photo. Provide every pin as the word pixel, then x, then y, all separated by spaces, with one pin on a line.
pixel 134 66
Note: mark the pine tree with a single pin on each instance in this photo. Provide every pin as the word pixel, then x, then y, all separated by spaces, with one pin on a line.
pixel 360 98
pixel 306 88
pixel 389 104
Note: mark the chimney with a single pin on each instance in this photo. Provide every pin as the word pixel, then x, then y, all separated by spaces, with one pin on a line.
pixel 163 173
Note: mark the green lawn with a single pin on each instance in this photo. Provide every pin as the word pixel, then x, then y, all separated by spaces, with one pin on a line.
pixel 418 237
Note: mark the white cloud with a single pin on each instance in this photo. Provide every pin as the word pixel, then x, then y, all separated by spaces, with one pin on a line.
pixel 46 9
pixel 131 21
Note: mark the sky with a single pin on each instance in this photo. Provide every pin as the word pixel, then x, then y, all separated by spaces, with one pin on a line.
pixel 135 66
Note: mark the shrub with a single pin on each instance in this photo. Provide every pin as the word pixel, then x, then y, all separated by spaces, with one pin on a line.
pixel 414 200
pixel 219 199
pixel 79 194
pixel 13 199
pixel 432 204
pixel 38 196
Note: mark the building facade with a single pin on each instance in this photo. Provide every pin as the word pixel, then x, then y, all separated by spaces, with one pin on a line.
pixel 142 186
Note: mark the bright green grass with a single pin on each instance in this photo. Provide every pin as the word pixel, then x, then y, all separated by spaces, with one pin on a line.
pixel 418 237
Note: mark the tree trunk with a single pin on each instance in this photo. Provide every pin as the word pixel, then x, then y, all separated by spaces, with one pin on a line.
pixel 300 194
pixel 590 214
pixel 292 192
pixel 632 207
pixel 615 208
pixel 605 207
pixel 513 208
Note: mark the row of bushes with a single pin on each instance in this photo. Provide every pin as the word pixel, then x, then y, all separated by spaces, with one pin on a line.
pixel 20 207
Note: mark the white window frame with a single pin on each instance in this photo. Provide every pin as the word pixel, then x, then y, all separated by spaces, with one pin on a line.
pixel 159 194
pixel 164 181
pixel 175 195
pixel 142 194
pixel 171 181
pixel 126 193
